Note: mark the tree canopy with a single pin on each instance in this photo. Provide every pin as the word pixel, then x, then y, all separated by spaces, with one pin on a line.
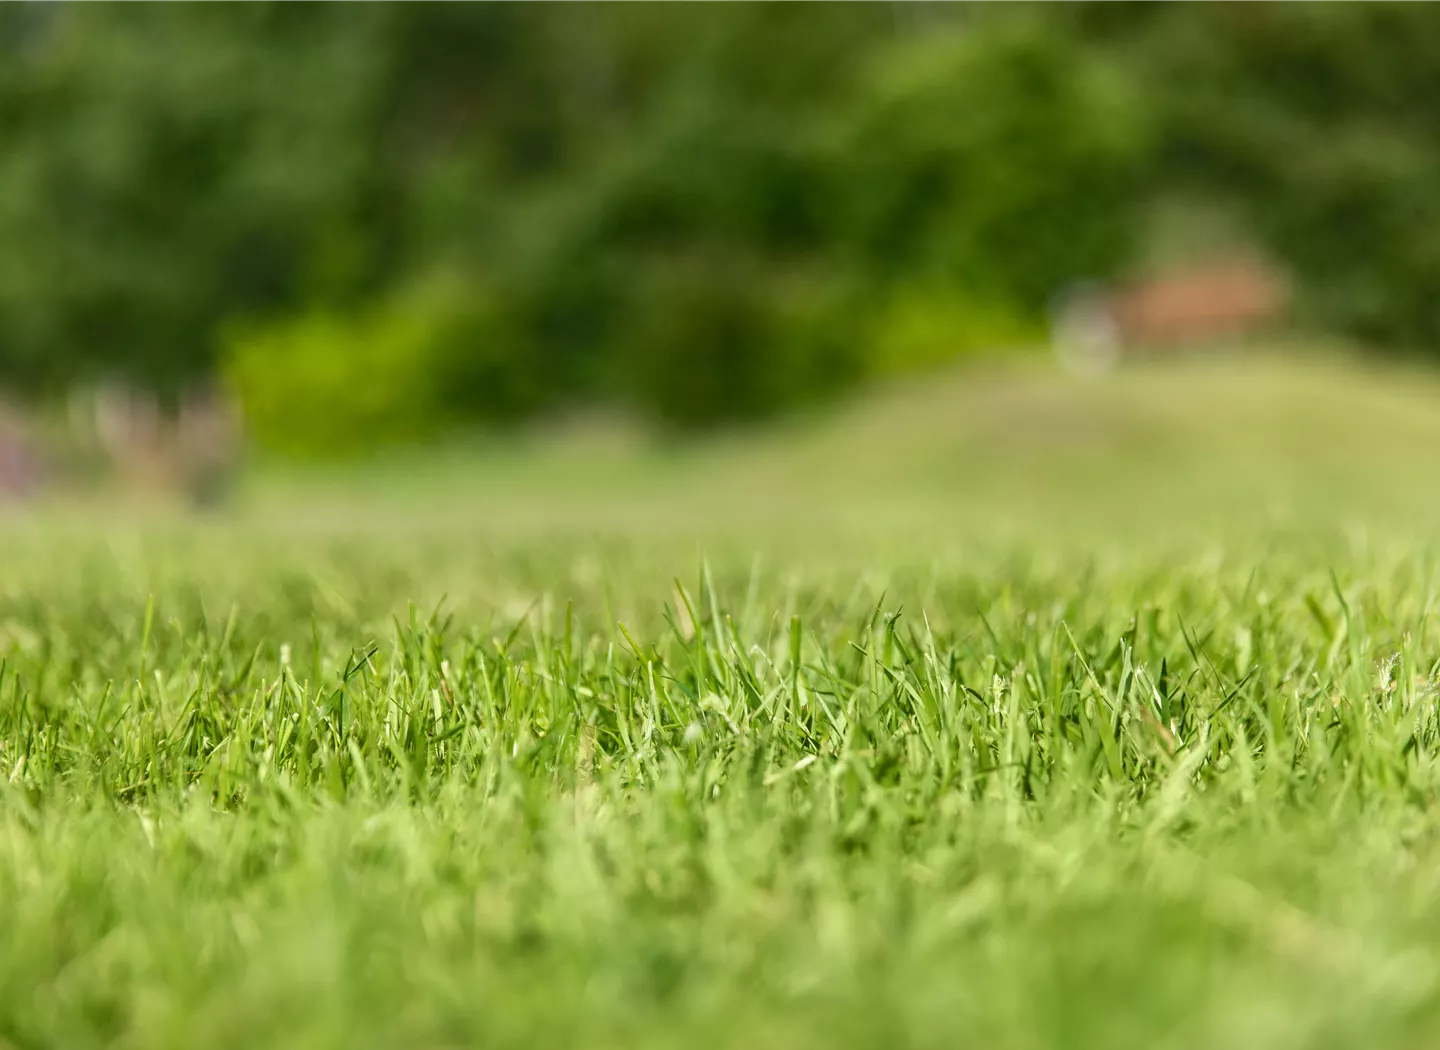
pixel 424 214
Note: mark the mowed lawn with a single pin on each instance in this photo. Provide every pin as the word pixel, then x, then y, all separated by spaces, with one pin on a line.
pixel 1002 711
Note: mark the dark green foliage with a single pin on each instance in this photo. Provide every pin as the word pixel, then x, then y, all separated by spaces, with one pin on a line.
pixel 675 208
pixel 1004 163
pixel 167 168
pixel 634 191
pixel 1322 122
pixel 720 338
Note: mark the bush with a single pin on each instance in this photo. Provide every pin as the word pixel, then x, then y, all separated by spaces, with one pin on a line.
pixel 920 327
pixel 711 339
pixel 327 382
pixel 688 278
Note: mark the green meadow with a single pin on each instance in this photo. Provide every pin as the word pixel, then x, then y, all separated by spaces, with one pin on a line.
pixel 1000 710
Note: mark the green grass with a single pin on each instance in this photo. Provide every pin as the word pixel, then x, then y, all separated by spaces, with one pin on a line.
pixel 1013 712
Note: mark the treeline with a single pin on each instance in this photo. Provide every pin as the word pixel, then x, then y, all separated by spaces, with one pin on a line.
pixel 377 221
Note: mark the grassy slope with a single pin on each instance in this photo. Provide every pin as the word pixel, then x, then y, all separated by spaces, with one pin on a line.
pixel 1011 711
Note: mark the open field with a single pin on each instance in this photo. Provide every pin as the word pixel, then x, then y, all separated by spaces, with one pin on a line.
pixel 1011 711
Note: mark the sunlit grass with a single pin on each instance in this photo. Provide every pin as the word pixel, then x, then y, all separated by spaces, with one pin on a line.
pixel 925 726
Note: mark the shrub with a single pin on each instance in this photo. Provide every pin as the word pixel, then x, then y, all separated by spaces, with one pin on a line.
pixel 327 382
pixel 919 327
pixel 712 339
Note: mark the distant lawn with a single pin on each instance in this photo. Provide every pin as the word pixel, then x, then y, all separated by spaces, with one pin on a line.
pixel 1004 710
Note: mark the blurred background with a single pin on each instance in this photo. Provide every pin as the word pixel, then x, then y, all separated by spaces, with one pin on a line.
pixel 314 233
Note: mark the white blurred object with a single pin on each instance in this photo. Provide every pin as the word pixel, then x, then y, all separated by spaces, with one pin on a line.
pixel 1083 331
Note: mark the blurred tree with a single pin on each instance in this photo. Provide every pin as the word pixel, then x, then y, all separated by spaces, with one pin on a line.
pixel 709 212
pixel 687 268
pixel 165 167
pixel 1322 123
pixel 1005 162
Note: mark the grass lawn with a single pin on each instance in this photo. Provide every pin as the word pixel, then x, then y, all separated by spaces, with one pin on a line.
pixel 1010 711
